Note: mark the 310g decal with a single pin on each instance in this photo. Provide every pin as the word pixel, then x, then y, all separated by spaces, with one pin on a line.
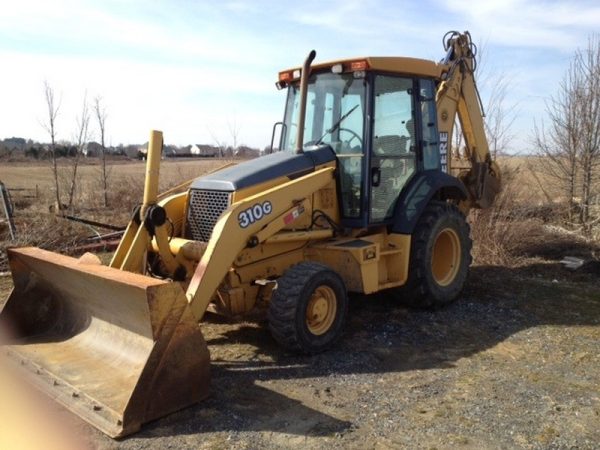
pixel 254 213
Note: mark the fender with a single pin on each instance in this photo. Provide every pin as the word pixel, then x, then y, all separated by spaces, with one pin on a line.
pixel 420 190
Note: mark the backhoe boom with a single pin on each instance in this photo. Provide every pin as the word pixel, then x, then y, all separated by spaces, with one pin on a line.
pixel 457 96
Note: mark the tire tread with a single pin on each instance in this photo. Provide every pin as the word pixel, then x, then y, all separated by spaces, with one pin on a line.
pixel 282 312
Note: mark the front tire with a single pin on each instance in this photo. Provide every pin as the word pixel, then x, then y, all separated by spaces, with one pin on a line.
pixel 440 257
pixel 308 308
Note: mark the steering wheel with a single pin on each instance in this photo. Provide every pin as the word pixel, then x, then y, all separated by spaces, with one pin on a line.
pixel 354 134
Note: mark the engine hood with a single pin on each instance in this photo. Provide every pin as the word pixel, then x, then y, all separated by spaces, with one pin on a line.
pixel 265 168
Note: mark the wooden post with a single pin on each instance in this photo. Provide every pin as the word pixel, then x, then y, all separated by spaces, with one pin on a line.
pixel 8 211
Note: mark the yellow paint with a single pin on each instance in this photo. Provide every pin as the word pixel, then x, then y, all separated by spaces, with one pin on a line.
pixel 229 238
pixel 152 169
pixel 300 236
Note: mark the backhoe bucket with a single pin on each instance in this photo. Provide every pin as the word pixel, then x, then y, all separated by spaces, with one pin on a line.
pixel 116 348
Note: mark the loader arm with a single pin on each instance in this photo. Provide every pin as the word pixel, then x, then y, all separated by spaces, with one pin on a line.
pixel 230 236
pixel 457 96
pixel 132 250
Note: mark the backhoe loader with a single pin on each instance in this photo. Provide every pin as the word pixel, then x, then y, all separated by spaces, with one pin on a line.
pixel 365 194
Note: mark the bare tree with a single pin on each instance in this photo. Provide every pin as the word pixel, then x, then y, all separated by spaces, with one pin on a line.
pixel 234 132
pixel 499 117
pixel 81 138
pixel 588 98
pixel 570 146
pixel 100 112
pixel 558 144
pixel 50 127
pixel 220 144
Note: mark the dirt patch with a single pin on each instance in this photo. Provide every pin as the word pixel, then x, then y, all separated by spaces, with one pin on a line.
pixel 512 364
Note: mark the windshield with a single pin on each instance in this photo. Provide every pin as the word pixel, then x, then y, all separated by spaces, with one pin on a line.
pixel 334 113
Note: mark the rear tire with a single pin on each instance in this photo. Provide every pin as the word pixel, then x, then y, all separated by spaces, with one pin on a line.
pixel 308 308
pixel 440 257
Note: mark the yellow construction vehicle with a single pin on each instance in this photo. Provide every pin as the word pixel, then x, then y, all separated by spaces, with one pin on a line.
pixel 364 195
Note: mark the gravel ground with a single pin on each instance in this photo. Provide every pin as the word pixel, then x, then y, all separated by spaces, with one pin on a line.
pixel 514 363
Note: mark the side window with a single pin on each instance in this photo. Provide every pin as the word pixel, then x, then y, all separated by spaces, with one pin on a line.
pixel 431 151
pixel 394 132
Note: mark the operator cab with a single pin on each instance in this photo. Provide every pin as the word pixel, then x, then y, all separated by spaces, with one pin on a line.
pixel 381 125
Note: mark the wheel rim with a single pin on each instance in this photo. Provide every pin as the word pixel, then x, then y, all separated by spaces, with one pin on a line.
pixel 445 259
pixel 321 310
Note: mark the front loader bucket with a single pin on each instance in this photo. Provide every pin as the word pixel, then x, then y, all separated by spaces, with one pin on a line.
pixel 116 348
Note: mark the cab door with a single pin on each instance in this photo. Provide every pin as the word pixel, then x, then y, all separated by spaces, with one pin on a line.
pixel 394 144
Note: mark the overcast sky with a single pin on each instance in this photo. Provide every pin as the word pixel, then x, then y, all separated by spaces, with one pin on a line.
pixel 198 69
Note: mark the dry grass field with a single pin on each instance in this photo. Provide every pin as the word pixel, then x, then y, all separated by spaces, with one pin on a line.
pixel 25 174
pixel 123 174
pixel 514 363
pixel 37 226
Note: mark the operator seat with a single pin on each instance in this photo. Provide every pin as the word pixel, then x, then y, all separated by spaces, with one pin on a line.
pixel 389 145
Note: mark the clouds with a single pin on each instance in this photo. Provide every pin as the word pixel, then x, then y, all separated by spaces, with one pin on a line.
pixel 154 71
pixel 536 24
pixel 188 67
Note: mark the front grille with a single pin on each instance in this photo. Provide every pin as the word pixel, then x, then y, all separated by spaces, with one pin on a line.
pixel 205 208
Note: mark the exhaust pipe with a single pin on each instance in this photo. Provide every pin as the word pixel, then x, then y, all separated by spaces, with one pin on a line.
pixel 303 94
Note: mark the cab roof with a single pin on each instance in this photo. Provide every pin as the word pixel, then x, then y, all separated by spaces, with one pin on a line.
pixel 393 64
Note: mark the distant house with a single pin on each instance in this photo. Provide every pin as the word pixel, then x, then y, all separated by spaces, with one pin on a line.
pixel 205 151
pixel 246 152
pixel 132 150
pixel 168 151
pixel 184 151
pixel 92 149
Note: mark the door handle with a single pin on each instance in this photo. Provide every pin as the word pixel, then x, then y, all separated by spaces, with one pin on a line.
pixel 375 176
